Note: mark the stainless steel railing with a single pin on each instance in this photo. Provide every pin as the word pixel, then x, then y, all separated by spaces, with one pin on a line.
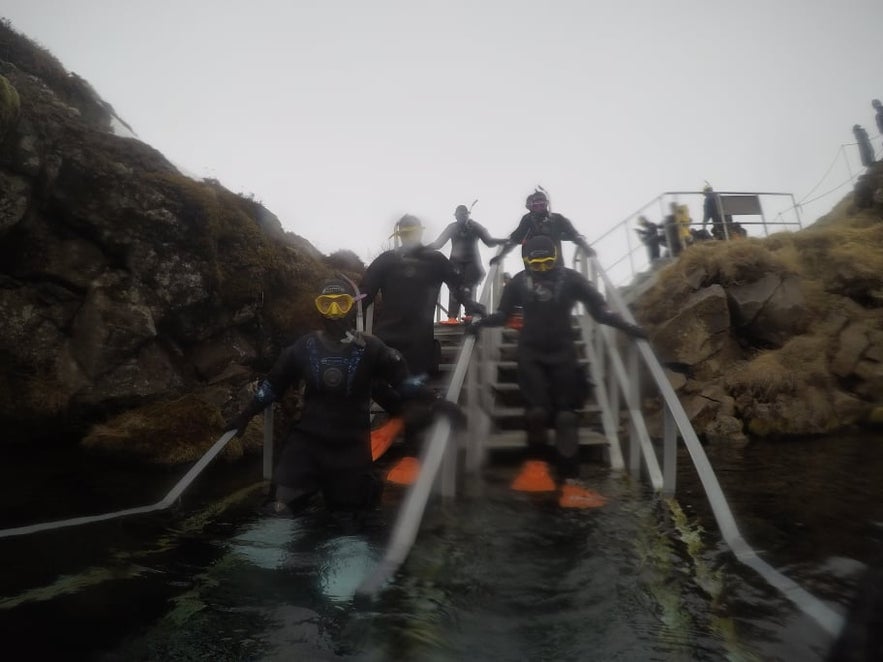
pixel 438 461
pixel 167 501
pixel 624 266
pixel 677 425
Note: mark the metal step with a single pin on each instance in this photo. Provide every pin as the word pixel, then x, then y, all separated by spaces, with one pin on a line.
pixel 512 365
pixel 449 331
pixel 516 439
pixel 514 345
pixel 508 387
pixel 512 412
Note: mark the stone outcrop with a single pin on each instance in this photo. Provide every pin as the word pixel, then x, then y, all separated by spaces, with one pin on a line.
pixel 770 309
pixel 781 336
pixel 697 330
pixel 125 285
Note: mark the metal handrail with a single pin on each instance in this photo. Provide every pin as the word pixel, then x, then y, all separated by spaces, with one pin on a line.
pixel 634 251
pixel 438 448
pixel 677 421
pixel 167 501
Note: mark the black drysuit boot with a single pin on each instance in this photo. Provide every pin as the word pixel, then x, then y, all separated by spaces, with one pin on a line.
pixel 567 444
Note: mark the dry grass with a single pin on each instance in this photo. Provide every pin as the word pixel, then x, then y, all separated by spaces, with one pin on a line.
pixel 800 362
pixel 707 264
pixel 841 257
pixel 763 377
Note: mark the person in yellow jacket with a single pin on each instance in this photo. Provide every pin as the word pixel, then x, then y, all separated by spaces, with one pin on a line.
pixel 682 217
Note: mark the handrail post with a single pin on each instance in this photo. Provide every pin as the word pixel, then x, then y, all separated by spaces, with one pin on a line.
pixel 268 443
pixel 766 231
pixel 796 208
pixel 612 389
pixel 474 441
pixel 631 396
pixel 669 452
pixel 447 480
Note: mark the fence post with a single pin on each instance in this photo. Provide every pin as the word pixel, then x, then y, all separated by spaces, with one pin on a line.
pixel 766 232
pixel 268 443
pixel 669 452
pixel 474 443
pixel 634 392
pixel 846 160
pixel 796 211
pixel 448 474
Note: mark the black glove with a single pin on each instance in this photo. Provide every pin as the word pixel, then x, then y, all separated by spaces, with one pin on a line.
pixel 444 407
pixel 475 308
pixel 473 328
pixel 238 423
pixel 588 250
pixel 635 331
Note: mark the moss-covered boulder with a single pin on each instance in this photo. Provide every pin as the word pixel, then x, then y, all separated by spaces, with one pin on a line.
pixel 124 284
pixel 168 432
pixel 10 106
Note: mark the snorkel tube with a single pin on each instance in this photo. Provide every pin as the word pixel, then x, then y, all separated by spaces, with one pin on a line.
pixel 360 322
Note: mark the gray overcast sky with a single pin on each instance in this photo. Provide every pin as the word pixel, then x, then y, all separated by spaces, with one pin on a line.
pixel 341 116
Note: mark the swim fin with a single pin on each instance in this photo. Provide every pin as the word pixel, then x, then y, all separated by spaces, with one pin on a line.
pixel 405 471
pixel 382 437
pixel 534 477
pixel 575 495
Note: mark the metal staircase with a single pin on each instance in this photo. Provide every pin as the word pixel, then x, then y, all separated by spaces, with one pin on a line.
pixel 505 404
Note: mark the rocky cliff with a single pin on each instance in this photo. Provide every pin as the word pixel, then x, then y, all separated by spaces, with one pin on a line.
pixel 778 336
pixel 124 285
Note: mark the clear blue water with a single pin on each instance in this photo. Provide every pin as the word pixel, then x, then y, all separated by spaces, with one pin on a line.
pixel 495 575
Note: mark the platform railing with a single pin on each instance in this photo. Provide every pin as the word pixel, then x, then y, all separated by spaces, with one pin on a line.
pixel 623 266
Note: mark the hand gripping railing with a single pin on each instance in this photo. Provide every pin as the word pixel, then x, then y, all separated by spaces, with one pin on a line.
pixel 437 450
pixel 678 423
pixel 167 501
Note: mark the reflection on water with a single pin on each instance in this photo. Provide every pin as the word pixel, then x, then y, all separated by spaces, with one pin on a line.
pixel 260 545
pixel 340 563
pixel 496 575
pixel 346 562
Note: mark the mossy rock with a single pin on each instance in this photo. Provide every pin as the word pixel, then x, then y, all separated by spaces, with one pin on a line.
pixel 10 106
pixel 167 433
pixel 875 417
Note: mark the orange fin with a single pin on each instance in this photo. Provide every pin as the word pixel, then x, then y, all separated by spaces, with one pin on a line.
pixel 577 496
pixel 382 437
pixel 534 477
pixel 405 471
